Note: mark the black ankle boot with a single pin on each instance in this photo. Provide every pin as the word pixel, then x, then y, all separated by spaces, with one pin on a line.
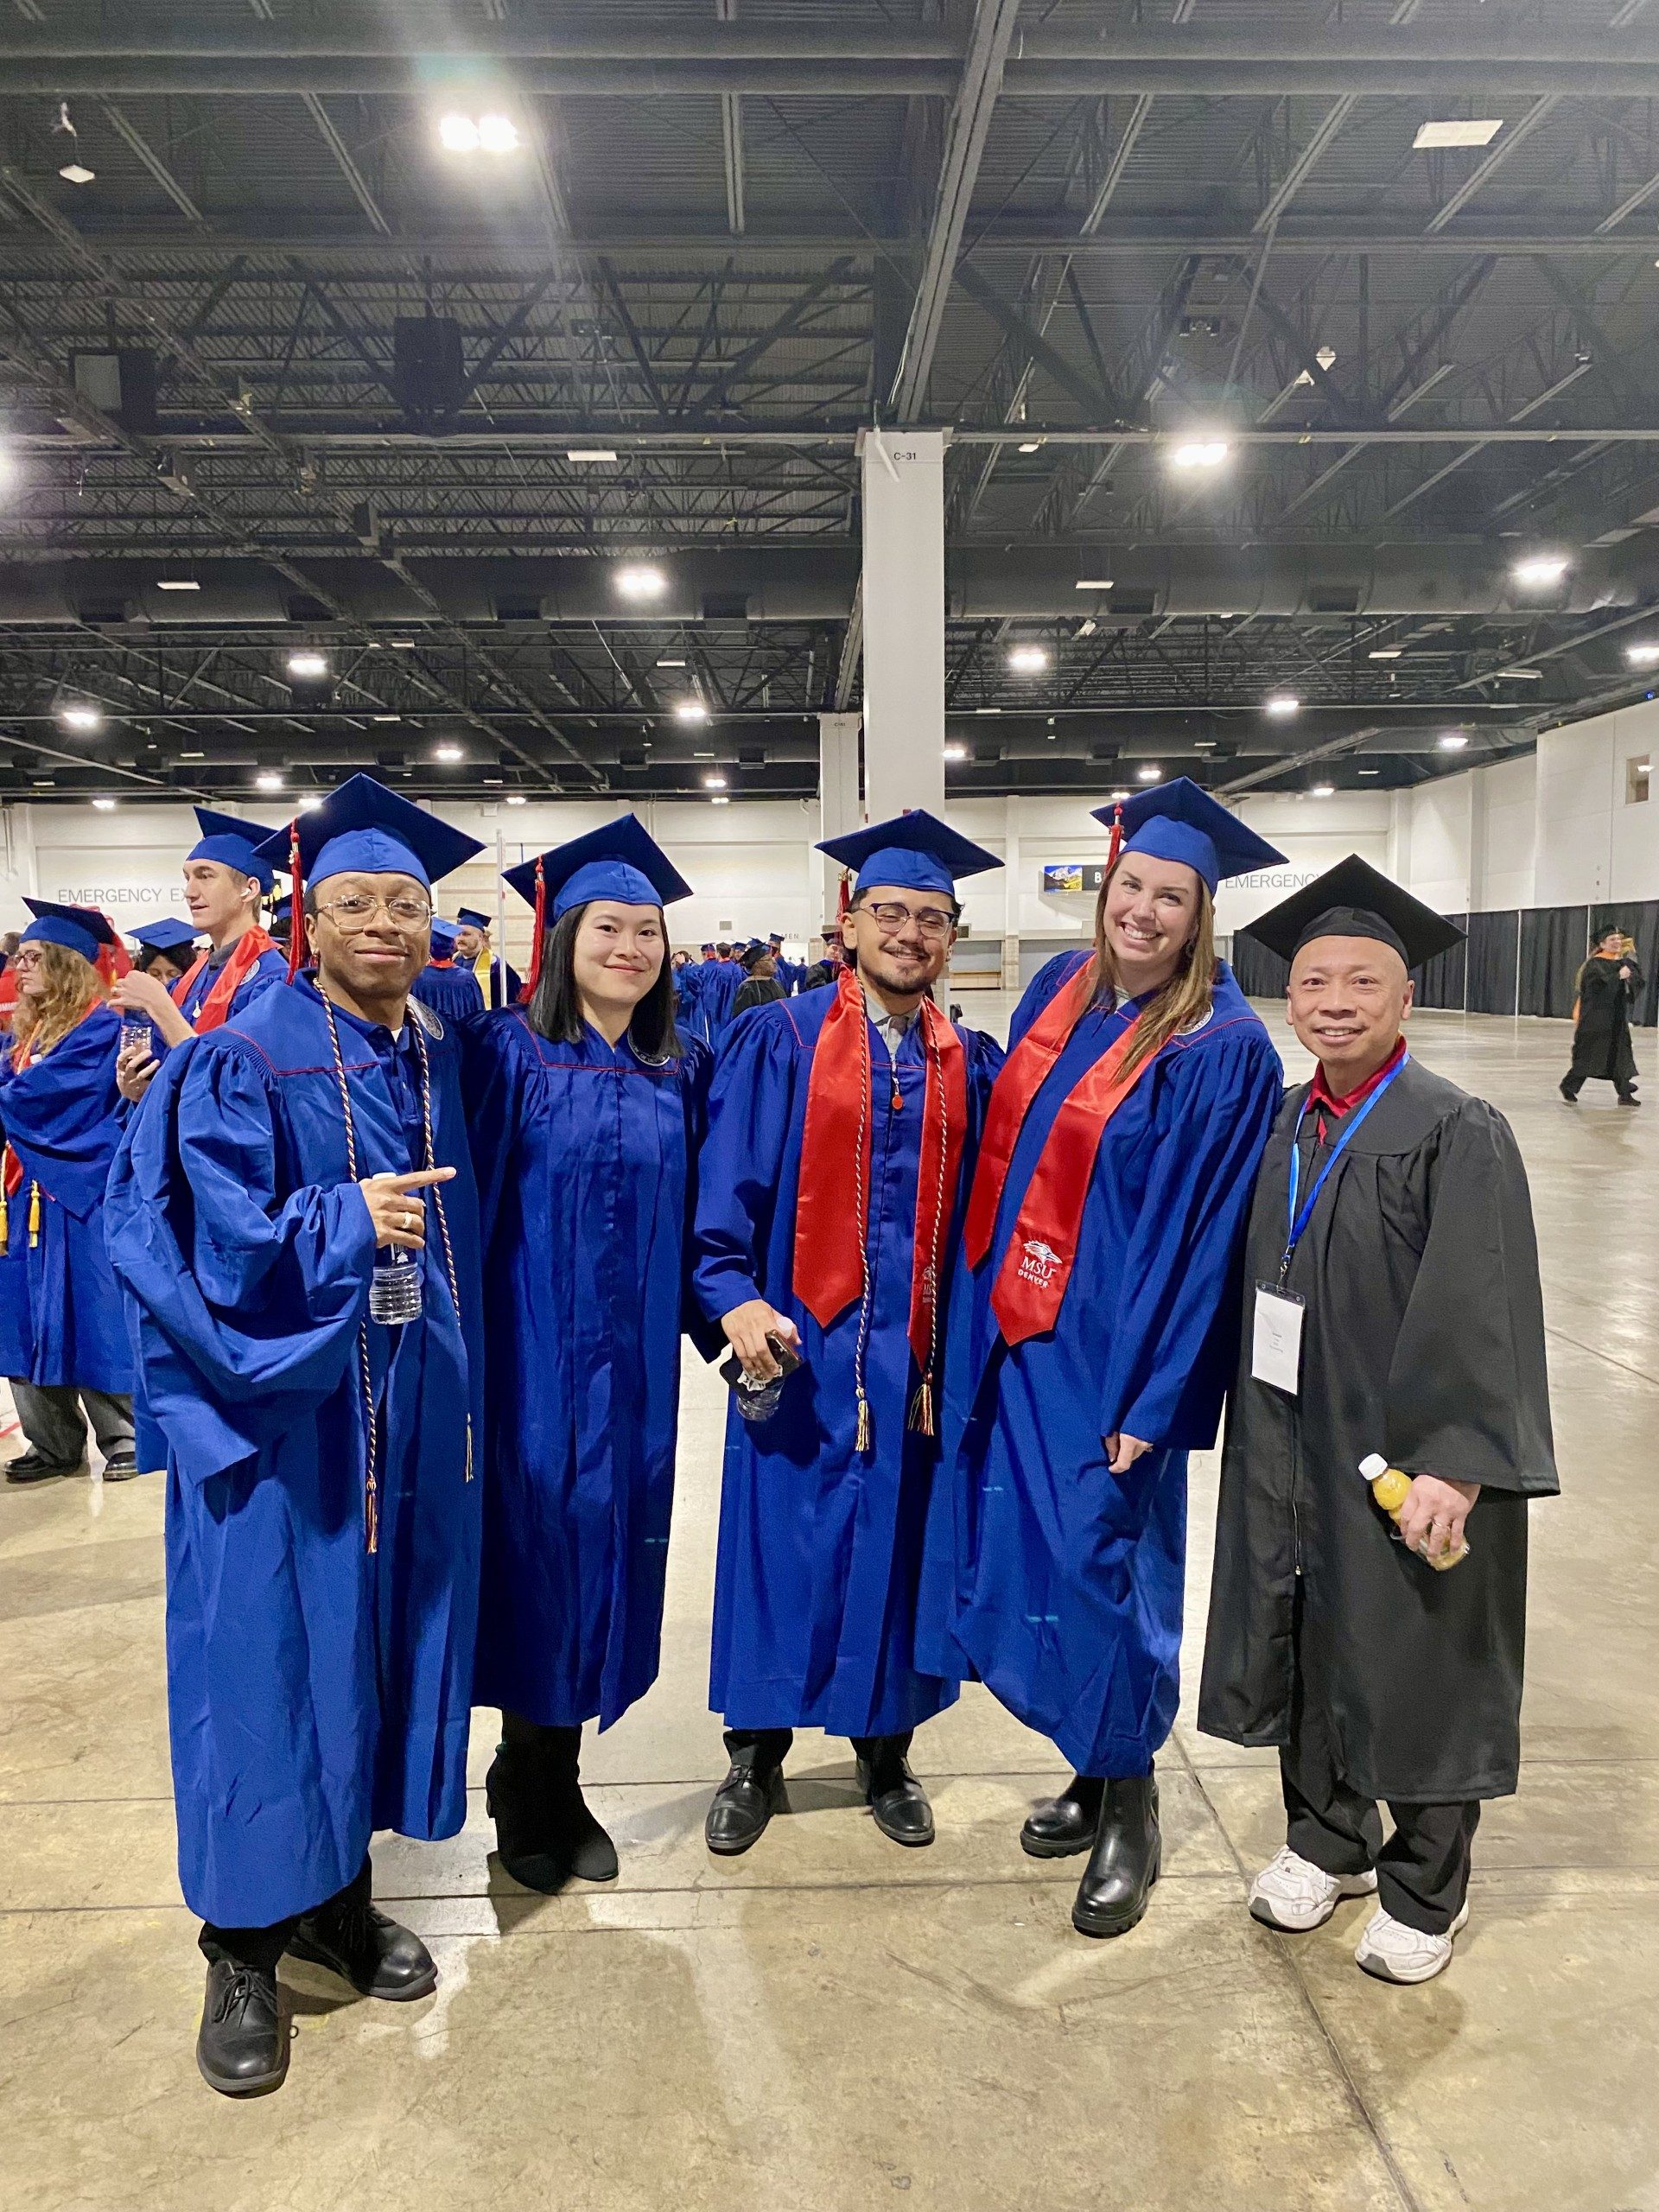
pixel 544 1833
pixel 1124 1863
pixel 242 2046
pixel 1063 1826
pixel 894 1797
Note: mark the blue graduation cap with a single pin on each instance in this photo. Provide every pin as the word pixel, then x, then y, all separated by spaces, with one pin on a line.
pixel 283 910
pixel 1178 821
pixel 620 860
pixel 364 827
pixel 469 917
pixel 916 851
pixel 444 935
pixel 78 929
pixel 166 934
pixel 236 843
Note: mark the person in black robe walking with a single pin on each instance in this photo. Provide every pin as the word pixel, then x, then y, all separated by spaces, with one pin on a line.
pixel 1608 983
pixel 1393 1310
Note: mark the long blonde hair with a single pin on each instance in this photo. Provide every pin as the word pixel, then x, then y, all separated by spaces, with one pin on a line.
pixel 72 985
pixel 1184 1000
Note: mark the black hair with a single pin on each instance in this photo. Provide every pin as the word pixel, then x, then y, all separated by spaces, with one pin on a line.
pixel 554 1007
pixel 151 953
pixel 724 951
pixel 859 896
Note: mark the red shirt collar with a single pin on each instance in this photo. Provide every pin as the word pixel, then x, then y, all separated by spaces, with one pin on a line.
pixel 1321 1093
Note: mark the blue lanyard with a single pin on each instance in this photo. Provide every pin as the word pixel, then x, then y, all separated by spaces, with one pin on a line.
pixel 1299 1221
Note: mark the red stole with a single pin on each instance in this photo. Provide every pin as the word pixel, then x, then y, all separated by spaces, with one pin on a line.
pixel 1037 1268
pixel 216 1007
pixel 440 963
pixel 830 1269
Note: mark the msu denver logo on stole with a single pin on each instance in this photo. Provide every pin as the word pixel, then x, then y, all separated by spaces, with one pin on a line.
pixel 1041 1264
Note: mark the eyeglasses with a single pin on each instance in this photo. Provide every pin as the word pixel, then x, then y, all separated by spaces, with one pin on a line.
pixel 892 914
pixel 29 957
pixel 404 912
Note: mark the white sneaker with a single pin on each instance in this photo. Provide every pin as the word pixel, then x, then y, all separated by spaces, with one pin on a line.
pixel 1393 1952
pixel 1291 1892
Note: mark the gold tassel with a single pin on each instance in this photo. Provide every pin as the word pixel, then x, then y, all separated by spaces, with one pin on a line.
pixel 33 1215
pixel 372 1515
pixel 469 1448
pixel 866 1438
pixel 5 1225
pixel 921 1409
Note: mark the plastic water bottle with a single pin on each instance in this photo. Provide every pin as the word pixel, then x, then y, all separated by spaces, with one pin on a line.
pixel 137 1035
pixel 1391 1489
pixel 395 1287
pixel 757 1401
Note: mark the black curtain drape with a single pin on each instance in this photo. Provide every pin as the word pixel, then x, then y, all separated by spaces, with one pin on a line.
pixel 1258 973
pixel 1442 981
pixel 1554 941
pixel 1640 919
pixel 1491 951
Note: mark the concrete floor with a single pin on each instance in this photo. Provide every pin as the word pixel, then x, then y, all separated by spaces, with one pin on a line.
pixel 831 2019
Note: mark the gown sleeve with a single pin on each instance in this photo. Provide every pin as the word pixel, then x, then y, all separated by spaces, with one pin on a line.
pixel 696 1071
pixel 63 1115
pixel 1040 989
pixel 741 1160
pixel 1174 1333
pixel 247 1305
pixel 493 1070
pixel 1468 1392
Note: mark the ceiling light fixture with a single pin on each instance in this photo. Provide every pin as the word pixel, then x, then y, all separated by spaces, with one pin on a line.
pixel 690 710
pixel 1030 445
pixel 458 134
pixel 309 805
pixel 1028 659
pixel 987 710
pixel 498 133
pixel 1539 572
pixel 1453 741
pixel 268 779
pixel 956 753
pixel 670 663
pixel 516 798
pixel 104 805
pixel 1281 706
pixel 1638 656
pixel 80 715
pixel 447 751
pixel 1322 790
pixel 1458 130
pixel 1087 629
pixel 401 644
pixel 1150 773
pixel 308 666
pixel 719 798
pixel 177 583
pixel 1092 583
pixel 590 454
pixel 714 783
pixel 640 582
pixel 1371 771
pixel 1386 652
pixel 1199 452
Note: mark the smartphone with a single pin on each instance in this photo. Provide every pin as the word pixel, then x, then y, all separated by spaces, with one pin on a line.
pixel 785 1355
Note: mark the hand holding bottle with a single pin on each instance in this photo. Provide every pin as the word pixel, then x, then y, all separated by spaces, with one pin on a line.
pixel 1429 1513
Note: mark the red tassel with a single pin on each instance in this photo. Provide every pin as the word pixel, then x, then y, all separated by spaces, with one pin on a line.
pixel 535 975
pixel 113 962
pixel 297 945
pixel 1116 846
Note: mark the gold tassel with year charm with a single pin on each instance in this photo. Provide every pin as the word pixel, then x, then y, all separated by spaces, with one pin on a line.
pixel 34 1215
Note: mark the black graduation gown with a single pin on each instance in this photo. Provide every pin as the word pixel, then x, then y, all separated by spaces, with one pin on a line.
pixel 1601 1039
pixel 1423 1339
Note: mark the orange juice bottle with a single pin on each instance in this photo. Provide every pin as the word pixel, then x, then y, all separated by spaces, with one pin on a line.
pixel 1391 1489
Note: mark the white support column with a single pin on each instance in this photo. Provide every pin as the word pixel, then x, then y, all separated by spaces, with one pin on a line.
pixel 904 621
pixel 1012 885
pixel 839 809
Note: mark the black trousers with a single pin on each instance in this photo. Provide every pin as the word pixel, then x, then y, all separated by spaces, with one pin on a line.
pixel 772 1743
pixel 263 1947
pixel 1422 1871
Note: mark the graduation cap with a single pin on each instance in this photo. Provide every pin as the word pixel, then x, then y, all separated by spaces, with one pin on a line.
pixel 444 937
pixel 470 919
pixel 236 843
pixel 1353 900
pixel 620 860
pixel 916 851
pixel 283 911
pixel 1180 821
pixel 167 934
pixel 78 929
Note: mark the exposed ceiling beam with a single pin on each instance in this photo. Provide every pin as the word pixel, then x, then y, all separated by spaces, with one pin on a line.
pixel 1294 178
pixel 1510 141
pixel 1139 110
pixel 731 135
pixel 346 163
pixel 1030 341
pixel 136 142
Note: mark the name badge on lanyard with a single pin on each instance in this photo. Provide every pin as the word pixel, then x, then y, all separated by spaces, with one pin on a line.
pixel 1276 1336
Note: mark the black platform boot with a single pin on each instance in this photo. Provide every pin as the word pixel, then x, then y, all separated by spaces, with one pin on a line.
pixel 1124 1863
pixel 1061 1826
pixel 544 1833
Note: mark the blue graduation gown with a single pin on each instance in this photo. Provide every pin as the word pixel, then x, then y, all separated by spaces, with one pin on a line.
pixel 315 1691
pixel 820 1551
pixel 490 974
pixel 271 967
pixel 1058 1583
pixel 718 986
pixel 60 1315
pixel 454 993
pixel 583 1155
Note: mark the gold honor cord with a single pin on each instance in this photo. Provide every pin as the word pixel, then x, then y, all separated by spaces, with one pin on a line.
pixel 370 1493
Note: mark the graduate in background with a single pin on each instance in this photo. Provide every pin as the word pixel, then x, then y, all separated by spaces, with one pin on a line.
pixel 842 1128
pixel 500 985
pixel 1394 1309
pixel 225 878
pixel 294 1219
pixel 585 1110
pixel 1091 1344
pixel 63 1336
pixel 761 985
pixel 166 950
pixel 1606 991
pixel 452 991
pixel 788 972
pixel 719 982
pixel 280 925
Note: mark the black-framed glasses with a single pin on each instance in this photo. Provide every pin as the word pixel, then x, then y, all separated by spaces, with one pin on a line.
pixel 892 914
pixel 403 911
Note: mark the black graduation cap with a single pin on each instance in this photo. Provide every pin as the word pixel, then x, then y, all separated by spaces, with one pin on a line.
pixel 1353 900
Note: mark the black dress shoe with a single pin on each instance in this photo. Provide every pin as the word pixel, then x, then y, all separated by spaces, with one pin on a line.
pixel 743 1805
pixel 1063 1826
pixel 121 1469
pixel 896 1799
pixel 544 1833
pixel 362 1945
pixel 1124 1863
pixel 29 1467
pixel 242 2046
